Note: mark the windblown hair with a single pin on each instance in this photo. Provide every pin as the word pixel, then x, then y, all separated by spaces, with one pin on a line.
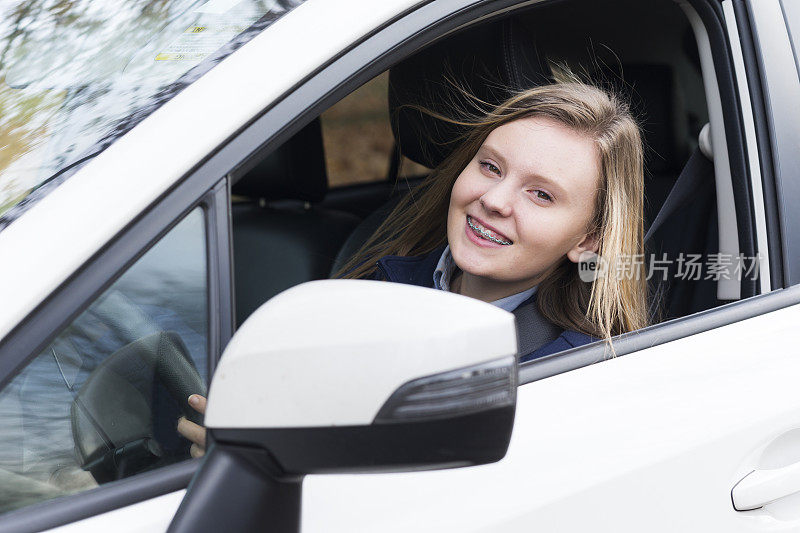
pixel 616 301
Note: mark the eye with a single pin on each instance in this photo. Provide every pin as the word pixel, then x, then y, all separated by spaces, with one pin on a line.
pixel 490 167
pixel 541 195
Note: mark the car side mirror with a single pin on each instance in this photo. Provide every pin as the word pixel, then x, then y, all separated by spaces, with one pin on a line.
pixel 350 376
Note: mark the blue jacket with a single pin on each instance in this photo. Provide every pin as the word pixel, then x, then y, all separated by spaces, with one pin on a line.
pixel 418 270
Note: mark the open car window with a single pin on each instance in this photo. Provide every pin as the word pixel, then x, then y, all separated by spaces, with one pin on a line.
pixel 316 224
pixel 664 84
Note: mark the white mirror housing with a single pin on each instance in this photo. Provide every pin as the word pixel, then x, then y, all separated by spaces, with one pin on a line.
pixel 350 375
pixel 331 353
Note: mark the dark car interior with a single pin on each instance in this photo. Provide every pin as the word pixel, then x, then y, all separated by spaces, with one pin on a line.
pixel 289 226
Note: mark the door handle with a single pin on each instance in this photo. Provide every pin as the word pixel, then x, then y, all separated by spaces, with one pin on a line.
pixel 760 487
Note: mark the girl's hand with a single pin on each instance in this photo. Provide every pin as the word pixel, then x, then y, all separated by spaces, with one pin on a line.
pixel 192 431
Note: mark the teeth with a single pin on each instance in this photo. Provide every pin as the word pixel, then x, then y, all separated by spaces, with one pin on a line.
pixel 485 233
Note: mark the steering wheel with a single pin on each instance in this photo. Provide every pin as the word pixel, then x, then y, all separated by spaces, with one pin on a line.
pixel 113 416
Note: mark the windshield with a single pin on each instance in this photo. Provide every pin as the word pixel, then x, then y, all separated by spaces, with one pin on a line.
pixel 77 74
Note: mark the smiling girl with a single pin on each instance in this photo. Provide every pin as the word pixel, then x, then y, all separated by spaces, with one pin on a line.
pixel 550 176
pixel 538 185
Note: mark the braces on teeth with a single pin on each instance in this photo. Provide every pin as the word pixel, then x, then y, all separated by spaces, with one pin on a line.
pixel 485 234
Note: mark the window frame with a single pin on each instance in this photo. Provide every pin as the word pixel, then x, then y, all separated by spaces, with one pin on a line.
pixel 773 78
pixel 362 63
pixel 753 80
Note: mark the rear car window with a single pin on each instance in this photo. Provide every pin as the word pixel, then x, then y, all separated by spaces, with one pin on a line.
pixel 357 136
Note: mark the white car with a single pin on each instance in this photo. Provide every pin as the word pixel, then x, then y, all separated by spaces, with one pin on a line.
pixel 162 176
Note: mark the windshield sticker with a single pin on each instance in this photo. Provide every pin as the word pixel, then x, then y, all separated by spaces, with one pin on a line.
pixel 200 40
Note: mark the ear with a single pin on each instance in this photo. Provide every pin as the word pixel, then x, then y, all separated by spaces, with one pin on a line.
pixel 590 243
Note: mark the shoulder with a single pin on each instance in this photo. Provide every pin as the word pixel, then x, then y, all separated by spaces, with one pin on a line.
pixel 413 270
pixel 566 340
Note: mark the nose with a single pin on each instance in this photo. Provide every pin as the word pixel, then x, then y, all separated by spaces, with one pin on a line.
pixel 499 198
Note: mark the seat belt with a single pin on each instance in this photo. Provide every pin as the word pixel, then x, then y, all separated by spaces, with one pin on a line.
pixel 533 331
pixel 697 169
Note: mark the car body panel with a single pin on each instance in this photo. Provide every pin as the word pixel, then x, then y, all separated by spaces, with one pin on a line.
pixel 653 441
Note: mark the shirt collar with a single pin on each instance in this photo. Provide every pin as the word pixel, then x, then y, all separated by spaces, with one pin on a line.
pixel 444 273
pixel 444 270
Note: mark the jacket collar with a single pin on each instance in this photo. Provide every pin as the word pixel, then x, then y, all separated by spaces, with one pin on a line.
pixel 413 270
pixel 535 333
pixel 418 269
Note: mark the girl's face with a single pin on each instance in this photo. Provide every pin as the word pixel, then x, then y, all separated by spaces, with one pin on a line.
pixel 523 203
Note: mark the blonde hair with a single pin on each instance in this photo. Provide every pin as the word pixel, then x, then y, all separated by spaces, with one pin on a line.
pixel 609 305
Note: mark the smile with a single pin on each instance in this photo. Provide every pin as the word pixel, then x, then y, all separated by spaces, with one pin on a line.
pixel 484 233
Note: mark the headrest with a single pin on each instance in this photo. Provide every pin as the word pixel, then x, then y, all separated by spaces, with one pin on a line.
pixel 650 89
pixel 653 102
pixel 491 62
pixel 295 170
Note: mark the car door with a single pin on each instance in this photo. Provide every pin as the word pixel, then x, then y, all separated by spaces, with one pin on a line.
pixel 692 427
pixel 674 433
pixel 651 441
pixel 656 438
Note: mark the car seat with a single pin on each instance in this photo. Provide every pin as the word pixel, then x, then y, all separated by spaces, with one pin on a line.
pixel 686 227
pixel 280 236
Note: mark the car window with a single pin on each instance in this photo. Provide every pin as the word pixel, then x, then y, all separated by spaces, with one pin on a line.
pixel 657 71
pixel 75 76
pixel 357 136
pixel 101 401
